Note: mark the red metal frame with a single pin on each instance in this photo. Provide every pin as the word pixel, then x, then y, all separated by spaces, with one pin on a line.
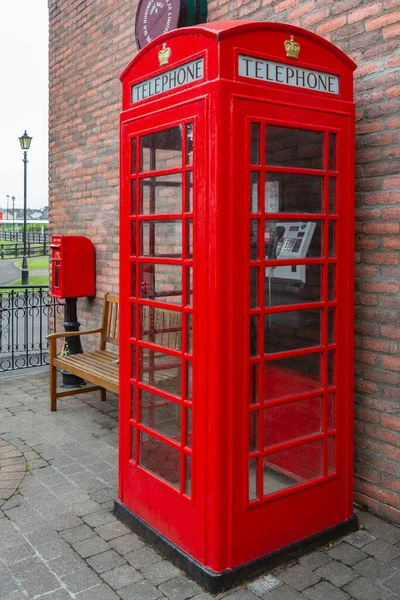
pixel 216 523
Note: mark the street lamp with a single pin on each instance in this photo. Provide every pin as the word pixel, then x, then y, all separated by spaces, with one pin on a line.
pixel 13 202
pixel 25 142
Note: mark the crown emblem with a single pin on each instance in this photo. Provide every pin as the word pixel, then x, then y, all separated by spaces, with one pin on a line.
pixel 292 48
pixel 163 55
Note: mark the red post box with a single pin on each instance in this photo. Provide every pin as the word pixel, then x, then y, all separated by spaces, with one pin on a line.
pixel 236 298
pixel 72 266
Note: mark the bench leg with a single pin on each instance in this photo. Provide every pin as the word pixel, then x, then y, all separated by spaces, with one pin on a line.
pixel 53 388
pixel 103 394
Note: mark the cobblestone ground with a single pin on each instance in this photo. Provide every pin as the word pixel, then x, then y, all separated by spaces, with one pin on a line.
pixel 59 539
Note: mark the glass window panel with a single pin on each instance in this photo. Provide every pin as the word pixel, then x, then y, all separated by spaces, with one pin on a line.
pixel 293 193
pixel 161 327
pixel 188 427
pixel 253 288
pixel 288 240
pixel 189 192
pixel 133 156
pixel 161 415
pixel 189 234
pixel 133 402
pixel 189 333
pixel 189 380
pixel 161 282
pixel 133 197
pixel 332 195
pixel 188 475
pixel 332 239
pixel 161 150
pixel 255 144
pixel 291 421
pixel 293 466
pixel 331 454
pixel 253 480
pixel 254 322
pixel 291 147
pixel 133 279
pixel 189 286
pixel 133 443
pixel 161 195
pixel 160 459
pixel 133 238
pixel 331 368
pixel 253 383
pixel 254 253
pixel 292 330
pixel 306 288
pixel 161 238
pixel 331 326
pixel 332 151
pixel 133 363
pixel 189 144
pixel 254 191
pixel 253 431
pixel 331 282
pixel 331 411
pixel 161 371
pixel 133 316
pixel 290 376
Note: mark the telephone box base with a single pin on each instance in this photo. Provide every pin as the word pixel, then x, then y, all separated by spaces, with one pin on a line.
pixel 219 582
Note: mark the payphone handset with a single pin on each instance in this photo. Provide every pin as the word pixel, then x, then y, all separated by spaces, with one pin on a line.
pixel 290 240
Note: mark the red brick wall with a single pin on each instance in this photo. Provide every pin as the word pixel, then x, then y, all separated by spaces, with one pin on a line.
pixel 91 41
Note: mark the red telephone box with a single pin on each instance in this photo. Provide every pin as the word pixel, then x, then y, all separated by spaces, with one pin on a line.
pixel 237 177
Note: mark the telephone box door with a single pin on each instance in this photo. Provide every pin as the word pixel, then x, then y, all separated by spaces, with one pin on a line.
pixel 161 472
pixel 292 204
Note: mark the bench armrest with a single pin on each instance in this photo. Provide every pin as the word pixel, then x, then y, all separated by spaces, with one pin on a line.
pixel 54 336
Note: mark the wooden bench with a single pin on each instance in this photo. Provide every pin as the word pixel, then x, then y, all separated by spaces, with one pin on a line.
pixel 99 367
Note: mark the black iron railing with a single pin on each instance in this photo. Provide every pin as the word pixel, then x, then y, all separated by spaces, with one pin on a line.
pixel 27 315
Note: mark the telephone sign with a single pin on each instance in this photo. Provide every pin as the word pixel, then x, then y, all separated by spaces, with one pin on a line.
pixel 237 257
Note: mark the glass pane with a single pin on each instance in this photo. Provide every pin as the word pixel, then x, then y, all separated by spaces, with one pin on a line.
pixel 189 333
pixel 189 144
pixel 331 326
pixel 161 150
pixel 253 335
pixel 292 330
pixel 253 485
pixel 133 402
pixel 331 282
pixel 254 224
pixel 255 144
pixel 331 454
pixel 161 195
pixel 290 376
pixel 288 240
pixel 332 195
pixel 161 282
pixel 133 238
pixel 161 415
pixel 161 371
pixel 189 286
pixel 293 193
pixel 292 421
pixel 161 327
pixel 290 147
pixel 331 411
pixel 161 238
pixel 133 197
pixel 188 427
pixel 133 279
pixel 188 380
pixel 133 443
pixel 332 151
pixel 290 467
pixel 253 431
pixel 188 475
pixel 331 368
pixel 254 191
pixel 133 156
pixel 253 383
pixel 189 192
pixel 133 316
pixel 160 458
pixel 133 362
pixel 253 288
pixel 332 239
pixel 303 288
pixel 189 238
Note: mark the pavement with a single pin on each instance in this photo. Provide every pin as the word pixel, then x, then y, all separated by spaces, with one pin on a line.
pixel 8 271
pixel 60 540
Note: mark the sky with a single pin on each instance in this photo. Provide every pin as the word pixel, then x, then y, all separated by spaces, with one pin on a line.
pixel 23 100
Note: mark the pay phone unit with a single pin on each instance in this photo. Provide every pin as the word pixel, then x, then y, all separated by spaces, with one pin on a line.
pixel 290 240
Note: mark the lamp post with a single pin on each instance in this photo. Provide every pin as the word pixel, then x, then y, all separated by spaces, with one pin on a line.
pixel 25 142
pixel 13 203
